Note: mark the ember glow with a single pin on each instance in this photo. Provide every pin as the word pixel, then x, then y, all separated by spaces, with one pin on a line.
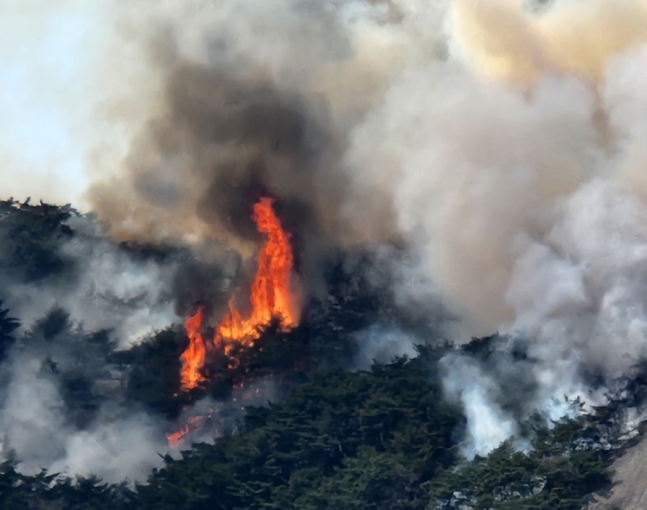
pixel 194 423
pixel 272 297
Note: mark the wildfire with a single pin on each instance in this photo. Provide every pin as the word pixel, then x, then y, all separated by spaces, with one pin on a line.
pixel 193 357
pixel 194 423
pixel 271 298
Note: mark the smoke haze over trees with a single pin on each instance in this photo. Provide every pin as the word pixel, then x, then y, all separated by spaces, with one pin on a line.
pixel 444 170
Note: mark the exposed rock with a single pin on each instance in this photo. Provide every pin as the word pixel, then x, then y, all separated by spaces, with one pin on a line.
pixel 629 491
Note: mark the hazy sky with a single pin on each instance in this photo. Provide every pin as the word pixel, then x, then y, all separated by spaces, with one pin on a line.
pixel 48 51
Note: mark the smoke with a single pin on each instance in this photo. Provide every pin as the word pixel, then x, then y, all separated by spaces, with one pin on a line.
pixel 575 37
pixel 81 299
pixel 100 285
pixel 514 170
pixel 501 146
pixel 38 433
pixel 258 99
pixel 210 419
pixel 380 344
pixel 488 424
pixel 479 165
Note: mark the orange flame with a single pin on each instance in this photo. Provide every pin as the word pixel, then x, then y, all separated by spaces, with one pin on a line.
pixel 271 291
pixel 194 423
pixel 193 357
pixel 271 297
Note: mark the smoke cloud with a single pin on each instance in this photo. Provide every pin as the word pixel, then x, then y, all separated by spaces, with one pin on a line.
pixel 513 167
pixel 38 433
pixel 110 288
pixel 501 146
pixel 258 98
pixel 81 299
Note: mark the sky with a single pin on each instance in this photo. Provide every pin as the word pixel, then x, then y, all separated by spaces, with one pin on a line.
pixel 48 94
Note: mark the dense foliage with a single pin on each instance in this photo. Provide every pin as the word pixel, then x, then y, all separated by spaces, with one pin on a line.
pixel 382 439
pixel 375 440
pixel 31 235
pixel 554 474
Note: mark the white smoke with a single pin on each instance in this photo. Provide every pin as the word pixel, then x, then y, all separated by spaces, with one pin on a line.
pixel 109 289
pixel 488 425
pixel 104 288
pixel 38 434
pixel 123 450
pixel 515 169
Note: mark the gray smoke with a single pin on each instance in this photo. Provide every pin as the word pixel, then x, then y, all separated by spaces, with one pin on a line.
pixel 80 298
pixel 110 289
pixel 380 344
pixel 258 98
pixel 38 434
pixel 44 430
pixel 513 169
pixel 502 146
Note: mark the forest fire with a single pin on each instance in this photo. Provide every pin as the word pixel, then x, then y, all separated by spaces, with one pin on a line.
pixel 271 298
pixel 194 423
pixel 194 355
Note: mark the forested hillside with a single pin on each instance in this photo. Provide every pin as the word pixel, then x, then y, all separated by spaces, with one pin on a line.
pixel 335 437
pixel 381 439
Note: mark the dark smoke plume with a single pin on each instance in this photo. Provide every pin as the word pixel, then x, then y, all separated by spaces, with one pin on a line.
pixel 230 130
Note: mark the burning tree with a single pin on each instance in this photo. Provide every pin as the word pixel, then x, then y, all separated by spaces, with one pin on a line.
pixel 273 297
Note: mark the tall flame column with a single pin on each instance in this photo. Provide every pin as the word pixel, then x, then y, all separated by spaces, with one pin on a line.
pixel 271 297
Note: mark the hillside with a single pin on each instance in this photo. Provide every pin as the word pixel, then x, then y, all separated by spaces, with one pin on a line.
pixel 381 439
pixel 295 425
